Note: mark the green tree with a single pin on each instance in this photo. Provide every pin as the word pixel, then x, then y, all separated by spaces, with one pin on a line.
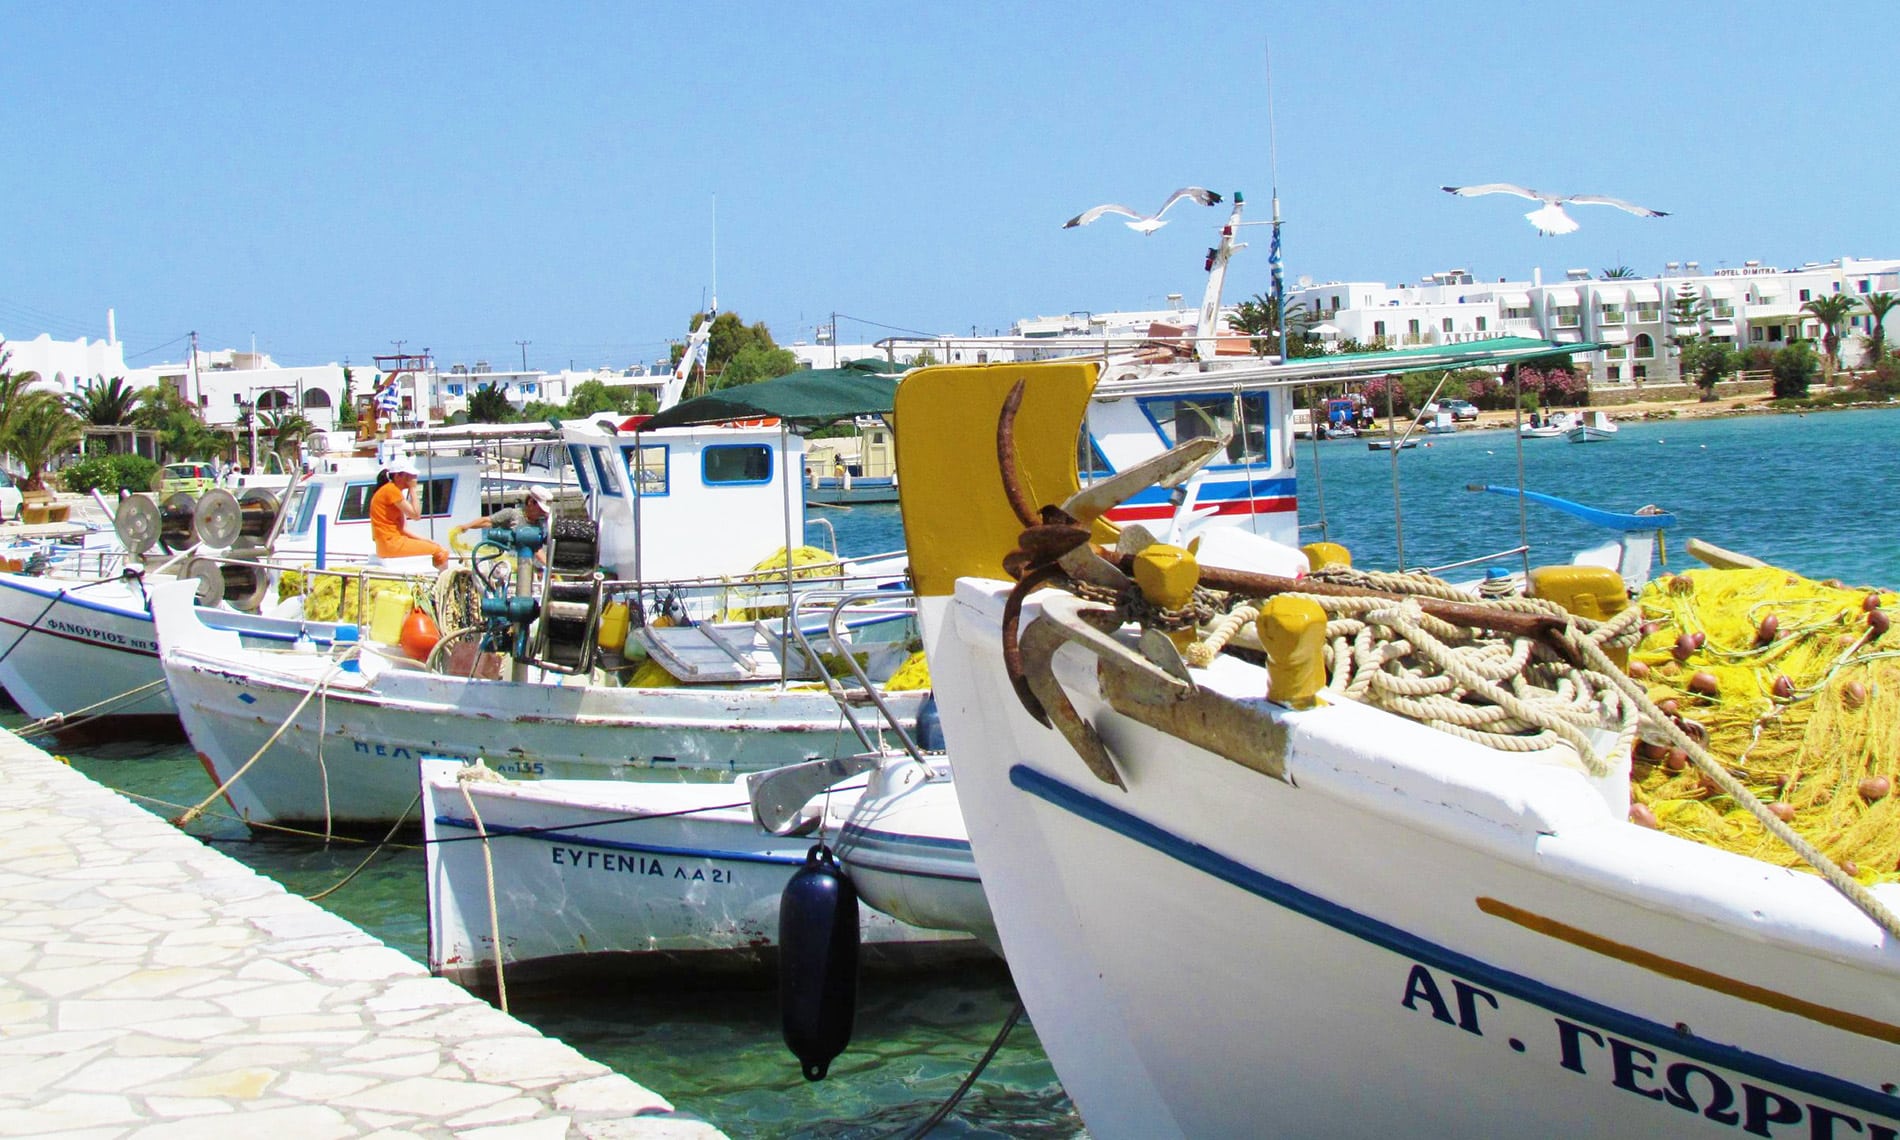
pixel 1686 314
pixel 13 391
pixel 104 403
pixel 1618 273
pixel 1832 311
pixel 287 431
pixel 42 430
pixel 1878 305
pixel 1794 367
pixel 1706 362
pixel 645 403
pixel 923 359
pixel 755 362
pixel 591 397
pixel 1259 317
pixel 487 405
pixel 182 433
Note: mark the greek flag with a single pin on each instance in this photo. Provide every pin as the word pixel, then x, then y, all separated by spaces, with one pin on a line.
pixel 387 400
pixel 1273 261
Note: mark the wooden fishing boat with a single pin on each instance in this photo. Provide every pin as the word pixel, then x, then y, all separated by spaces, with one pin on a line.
pixel 1233 892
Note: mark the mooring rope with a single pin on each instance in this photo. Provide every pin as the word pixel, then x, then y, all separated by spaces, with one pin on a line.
pixel 323 683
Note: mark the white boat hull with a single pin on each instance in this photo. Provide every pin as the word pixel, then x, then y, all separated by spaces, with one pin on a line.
pixel 68 645
pixel 349 756
pixel 908 853
pixel 1411 935
pixel 579 879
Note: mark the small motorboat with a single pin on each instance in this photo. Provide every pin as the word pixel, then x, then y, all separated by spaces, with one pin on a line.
pixel 1596 429
pixel 1550 426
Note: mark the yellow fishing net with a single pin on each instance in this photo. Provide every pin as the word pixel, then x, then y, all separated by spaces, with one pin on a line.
pixel 337 597
pixel 1797 683
pixel 807 562
pixel 914 673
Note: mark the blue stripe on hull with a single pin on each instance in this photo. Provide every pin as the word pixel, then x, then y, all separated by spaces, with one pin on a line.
pixel 1409 945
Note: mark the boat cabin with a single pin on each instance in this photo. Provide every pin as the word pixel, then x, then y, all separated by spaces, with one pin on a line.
pixel 329 512
pixel 688 502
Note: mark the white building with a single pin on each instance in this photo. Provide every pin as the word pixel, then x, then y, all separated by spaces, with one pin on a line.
pixel 223 384
pixel 67 365
pixel 1634 318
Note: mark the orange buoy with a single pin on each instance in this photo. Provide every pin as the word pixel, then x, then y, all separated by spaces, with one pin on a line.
pixel 419 635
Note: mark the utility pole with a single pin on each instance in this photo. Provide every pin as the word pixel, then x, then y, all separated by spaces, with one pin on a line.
pixel 197 389
pixel 524 353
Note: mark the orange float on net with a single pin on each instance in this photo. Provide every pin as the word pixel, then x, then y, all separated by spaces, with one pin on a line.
pixel 419 635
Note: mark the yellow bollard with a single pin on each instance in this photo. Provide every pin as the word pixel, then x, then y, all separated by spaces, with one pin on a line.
pixel 1320 555
pixel 1167 576
pixel 1293 630
pixel 1594 592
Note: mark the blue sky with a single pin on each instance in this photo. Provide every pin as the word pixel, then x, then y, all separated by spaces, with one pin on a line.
pixel 328 179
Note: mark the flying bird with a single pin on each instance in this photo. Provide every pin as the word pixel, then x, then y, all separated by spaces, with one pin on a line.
pixel 1550 218
pixel 1145 223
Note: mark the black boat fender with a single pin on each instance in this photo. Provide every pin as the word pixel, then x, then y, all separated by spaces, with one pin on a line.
pixel 818 961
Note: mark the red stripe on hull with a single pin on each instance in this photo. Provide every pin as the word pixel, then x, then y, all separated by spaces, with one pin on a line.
pixel 1235 507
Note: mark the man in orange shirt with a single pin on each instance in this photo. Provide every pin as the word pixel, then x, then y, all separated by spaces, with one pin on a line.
pixel 393 504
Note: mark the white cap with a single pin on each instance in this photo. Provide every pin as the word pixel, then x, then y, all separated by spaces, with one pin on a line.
pixel 543 496
pixel 400 466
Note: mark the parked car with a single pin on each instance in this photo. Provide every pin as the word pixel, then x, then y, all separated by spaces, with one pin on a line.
pixel 191 478
pixel 1460 410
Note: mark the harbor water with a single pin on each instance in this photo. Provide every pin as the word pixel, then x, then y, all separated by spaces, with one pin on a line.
pixel 1798 491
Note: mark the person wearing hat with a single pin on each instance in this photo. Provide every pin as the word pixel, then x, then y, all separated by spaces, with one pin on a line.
pixel 535 510
pixel 390 508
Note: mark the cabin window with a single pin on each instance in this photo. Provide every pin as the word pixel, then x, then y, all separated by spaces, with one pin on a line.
pixel 1445 324
pixel 604 477
pixel 301 510
pixel 432 495
pixel 1178 419
pixel 1089 459
pixel 1481 324
pixel 647 468
pixel 577 456
pixel 736 463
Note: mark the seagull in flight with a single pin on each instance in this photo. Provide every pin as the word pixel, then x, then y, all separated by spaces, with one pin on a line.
pixel 1550 218
pixel 1145 223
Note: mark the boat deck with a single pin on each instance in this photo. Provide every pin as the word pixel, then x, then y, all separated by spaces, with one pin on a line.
pixel 155 987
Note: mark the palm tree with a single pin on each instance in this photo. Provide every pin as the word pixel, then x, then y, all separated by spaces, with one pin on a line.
pixel 1832 311
pixel 104 403
pixel 15 389
pixel 1619 273
pixel 1259 318
pixel 1878 305
pixel 41 430
pixel 287 430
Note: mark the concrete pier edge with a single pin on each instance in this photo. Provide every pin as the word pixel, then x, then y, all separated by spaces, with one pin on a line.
pixel 155 988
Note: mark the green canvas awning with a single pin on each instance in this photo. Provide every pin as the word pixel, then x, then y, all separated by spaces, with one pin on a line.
pixel 809 396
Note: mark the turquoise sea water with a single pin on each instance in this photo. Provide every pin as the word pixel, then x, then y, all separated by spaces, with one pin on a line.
pixel 1802 492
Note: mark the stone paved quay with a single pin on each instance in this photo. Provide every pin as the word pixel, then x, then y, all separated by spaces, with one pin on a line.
pixel 154 988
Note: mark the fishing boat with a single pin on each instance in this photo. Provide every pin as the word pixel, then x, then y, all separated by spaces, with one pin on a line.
pixel 1397 443
pixel 1596 429
pixel 709 680
pixel 601 875
pixel 1233 892
pixel 81 641
pixel 907 850
pixel 1548 426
